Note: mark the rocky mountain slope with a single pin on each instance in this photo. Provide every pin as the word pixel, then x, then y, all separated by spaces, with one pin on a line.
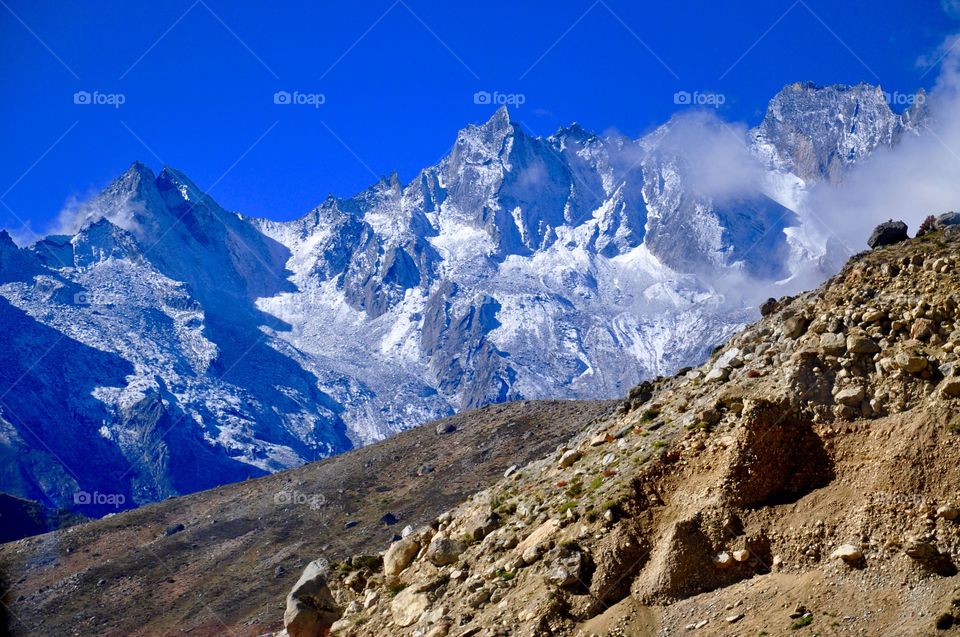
pixel 219 562
pixel 804 476
pixel 164 345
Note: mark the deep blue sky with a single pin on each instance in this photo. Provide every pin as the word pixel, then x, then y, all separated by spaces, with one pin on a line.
pixel 198 79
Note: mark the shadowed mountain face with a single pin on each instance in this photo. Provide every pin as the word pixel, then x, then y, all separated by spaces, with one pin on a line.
pixel 202 347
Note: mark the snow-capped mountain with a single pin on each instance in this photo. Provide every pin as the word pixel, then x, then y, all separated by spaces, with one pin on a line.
pixel 166 345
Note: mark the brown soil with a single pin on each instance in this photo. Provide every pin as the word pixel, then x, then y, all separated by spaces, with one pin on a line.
pixel 243 546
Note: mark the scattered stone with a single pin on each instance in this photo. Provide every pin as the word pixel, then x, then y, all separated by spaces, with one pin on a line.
pixel 851 396
pixel 848 553
pixel 948 512
pixel 479 598
pixel 445 428
pixel 922 551
pixel 723 560
pixel 741 555
pixel 950 387
pixel 910 363
pixel 922 329
pixel 568 458
pixel 769 306
pixel 512 469
pixel 861 345
pixel 795 326
pixel 833 344
pixel 173 529
pixel 733 619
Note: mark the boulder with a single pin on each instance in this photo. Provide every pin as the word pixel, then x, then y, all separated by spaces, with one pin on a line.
pixel 948 512
pixel 833 344
pixel 717 374
pixel 408 606
pixel 399 556
pixel 795 326
pixel 568 458
pixel 567 571
pixel 531 554
pixel 947 219
pixel 769 306
pixel 311 610
pixel 888 233
pixel 922 551
pixel 723 560
pixel 922 329
pixel 848 553
pixel 481 524
pixel 910 362
pixel 950 387
pixel 857 344
pixel 444 550
pixel 851 396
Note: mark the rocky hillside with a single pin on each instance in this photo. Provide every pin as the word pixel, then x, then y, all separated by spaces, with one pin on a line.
pixel 163 344
pixel 219 562
pixel 806 475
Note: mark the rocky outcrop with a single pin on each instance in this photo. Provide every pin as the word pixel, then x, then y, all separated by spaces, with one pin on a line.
pixel 888 233
pixel 768 461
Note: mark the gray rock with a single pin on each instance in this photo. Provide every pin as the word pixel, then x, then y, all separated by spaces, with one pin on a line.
pixel 833 344
pixel 861 345
pixel 311 609
pixel 568 458
pixel 888 233
pixel 444 550
pixel 947 219
pixel 851 396
pixel 399 556
pixel 950 387
pixel 408 606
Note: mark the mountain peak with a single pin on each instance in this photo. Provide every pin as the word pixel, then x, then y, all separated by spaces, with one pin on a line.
pixel 171 178
pixel 500 119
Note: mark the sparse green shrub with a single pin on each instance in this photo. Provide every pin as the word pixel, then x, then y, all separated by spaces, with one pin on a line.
pixel 806 620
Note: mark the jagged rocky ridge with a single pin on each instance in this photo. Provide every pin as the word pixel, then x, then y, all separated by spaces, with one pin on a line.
pixel 166 345
pixel 806 474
